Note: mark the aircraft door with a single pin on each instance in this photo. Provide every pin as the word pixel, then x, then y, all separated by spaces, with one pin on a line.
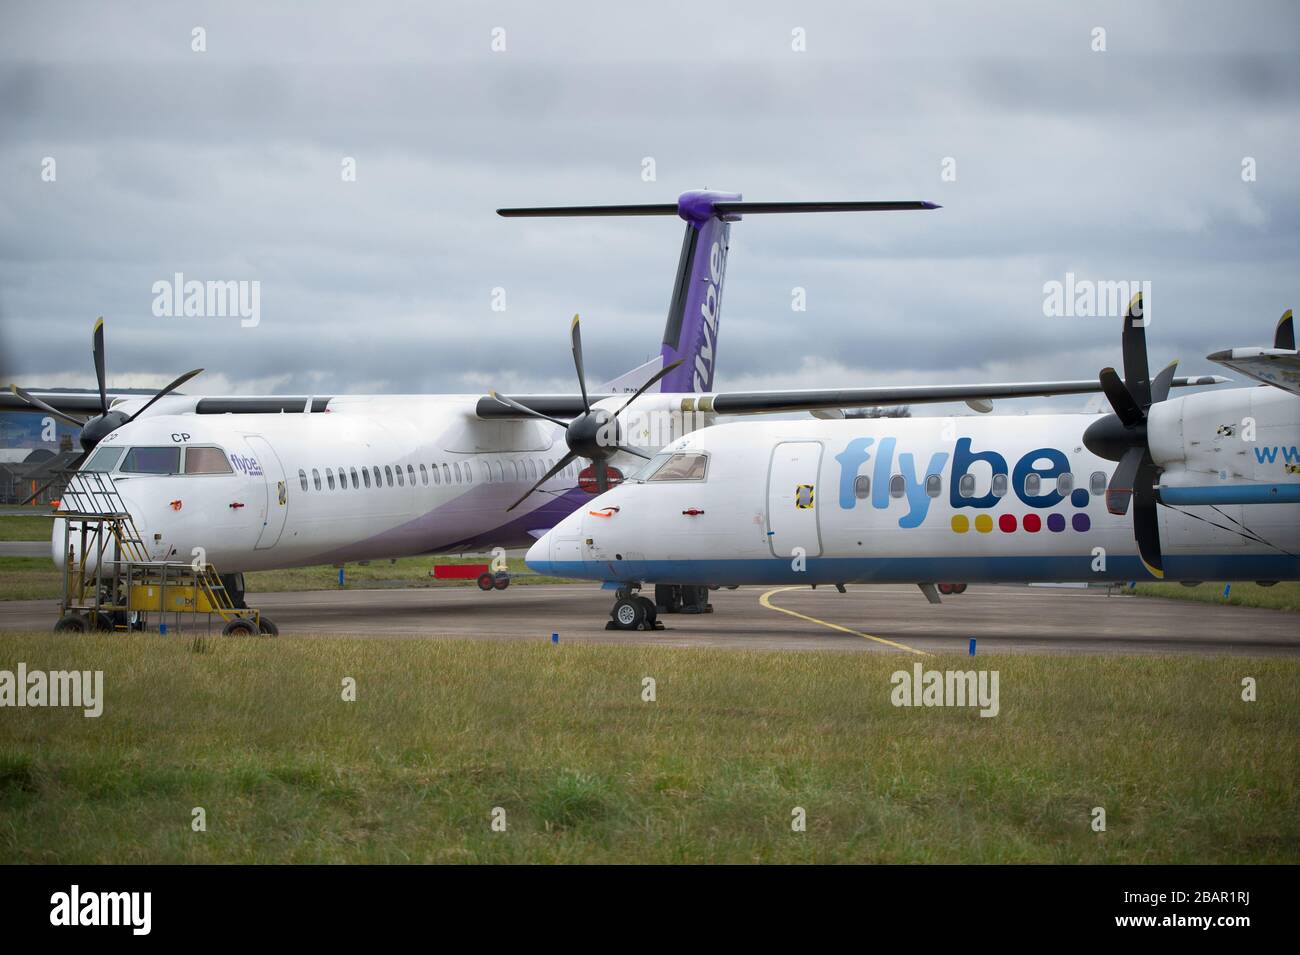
pixel 275 508
pixel 792 499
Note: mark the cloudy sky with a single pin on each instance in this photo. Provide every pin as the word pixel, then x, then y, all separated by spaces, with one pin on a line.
pixel 1122 164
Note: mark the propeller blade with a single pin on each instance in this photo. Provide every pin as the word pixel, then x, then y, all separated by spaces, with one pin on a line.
pixel 524 409
pixel 1146 528
pixel 97 337
pixel 1123 481
pixel 1161 383
pixel 576 337
pixel 602 475
pixel 642 390
pixel 166 391
pixel 559 466
pixel 1284 334
pixel 1121 399
pixel 1136 371
pixel 48 409
pixel 72 466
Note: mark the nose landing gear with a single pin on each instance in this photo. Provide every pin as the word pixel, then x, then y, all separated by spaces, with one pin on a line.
pixel 632 611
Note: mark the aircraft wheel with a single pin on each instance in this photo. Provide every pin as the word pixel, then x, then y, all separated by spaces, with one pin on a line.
pixel 72 623
pixel 103 622
pixel 267 627
pixel 651 611
pixel 485 581
pixel 501 582
pixel 945 588
pixel 239 627
pixel 628 614
pixel 959 588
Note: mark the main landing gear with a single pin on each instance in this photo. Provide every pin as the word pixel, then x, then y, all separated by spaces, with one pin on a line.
pixel 633 611
pixel 952 588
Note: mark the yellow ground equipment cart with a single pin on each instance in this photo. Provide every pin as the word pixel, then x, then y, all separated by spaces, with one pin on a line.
pixel 111 584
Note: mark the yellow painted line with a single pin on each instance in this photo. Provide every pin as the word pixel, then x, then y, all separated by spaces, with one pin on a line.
pixel 766 601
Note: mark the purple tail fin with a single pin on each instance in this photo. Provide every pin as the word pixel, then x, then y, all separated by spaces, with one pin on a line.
pixel 691 334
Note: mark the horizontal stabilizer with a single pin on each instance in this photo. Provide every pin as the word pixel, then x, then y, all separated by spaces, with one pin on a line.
pixel 719 208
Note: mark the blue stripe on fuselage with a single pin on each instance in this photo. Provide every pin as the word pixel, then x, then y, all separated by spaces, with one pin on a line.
pixel 882 570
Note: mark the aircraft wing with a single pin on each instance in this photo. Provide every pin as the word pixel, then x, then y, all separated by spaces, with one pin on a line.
pixel 1279 367
pixel 82 404
pixel 772 402
pixel 86 404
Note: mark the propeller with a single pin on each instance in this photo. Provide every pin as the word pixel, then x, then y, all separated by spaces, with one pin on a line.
pixel 587 435
pixel 97 427
pixel 1122 436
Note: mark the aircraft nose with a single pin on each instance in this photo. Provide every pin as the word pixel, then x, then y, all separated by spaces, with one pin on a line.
pixel 538 557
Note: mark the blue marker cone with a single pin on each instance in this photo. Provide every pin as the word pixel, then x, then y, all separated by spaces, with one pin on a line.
pixel 555 638
pixel 340 576
pixel 1227 589
pixel 972 646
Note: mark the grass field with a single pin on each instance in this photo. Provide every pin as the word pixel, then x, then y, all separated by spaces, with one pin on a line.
pixel 1281 596
pixel 255 732
pixel 25 527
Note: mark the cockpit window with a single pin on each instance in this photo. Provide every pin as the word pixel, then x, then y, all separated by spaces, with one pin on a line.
pixel 152 461
pixel 105 459
pixel 208 461
pixel 685 466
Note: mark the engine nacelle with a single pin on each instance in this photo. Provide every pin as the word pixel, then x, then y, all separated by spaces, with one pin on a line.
pixel 1220 437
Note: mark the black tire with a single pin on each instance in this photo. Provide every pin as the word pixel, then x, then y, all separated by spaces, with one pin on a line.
pixel 485 581
pixel 944 589
pixel 266 626
pixel 239 627
pixel 959 588
pixel 628 614
pixel 651 611
pixel 71 623
pixel 100 622
pixel 501 582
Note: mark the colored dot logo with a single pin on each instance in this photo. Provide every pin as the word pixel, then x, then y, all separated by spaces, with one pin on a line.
pixel 1030 523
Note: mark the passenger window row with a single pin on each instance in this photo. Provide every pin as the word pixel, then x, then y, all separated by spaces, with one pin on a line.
pixel 966 486
pixel 456 472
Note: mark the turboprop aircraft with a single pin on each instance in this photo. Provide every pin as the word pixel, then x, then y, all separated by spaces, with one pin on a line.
pixel 1201 487
pixel 263 482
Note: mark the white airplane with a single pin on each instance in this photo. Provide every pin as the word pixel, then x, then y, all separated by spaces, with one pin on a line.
pixel 255 483
pixel 1213 479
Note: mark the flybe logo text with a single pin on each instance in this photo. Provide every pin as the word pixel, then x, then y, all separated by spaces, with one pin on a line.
pixel 246 465
pixel 923 481
pixel 703 378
